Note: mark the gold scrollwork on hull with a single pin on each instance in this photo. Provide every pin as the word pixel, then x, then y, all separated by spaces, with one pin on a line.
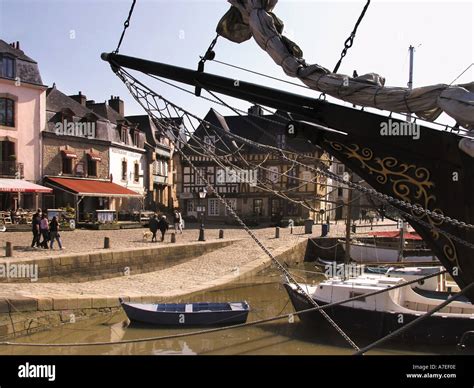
pixel 410 183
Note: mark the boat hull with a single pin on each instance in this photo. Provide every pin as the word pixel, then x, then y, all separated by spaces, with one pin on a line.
pixel 201 318
pixel 366 253
pixel 377 324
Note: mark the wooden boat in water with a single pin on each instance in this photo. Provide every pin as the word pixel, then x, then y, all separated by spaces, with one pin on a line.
pixel 187 314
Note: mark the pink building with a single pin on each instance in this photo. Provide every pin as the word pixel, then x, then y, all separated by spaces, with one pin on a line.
pixel 22 118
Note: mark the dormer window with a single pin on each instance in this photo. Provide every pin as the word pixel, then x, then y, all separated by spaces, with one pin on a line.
pixel 124 135
pixel 136 138
pixel 66 115
pixel 8 67
pixel 158 136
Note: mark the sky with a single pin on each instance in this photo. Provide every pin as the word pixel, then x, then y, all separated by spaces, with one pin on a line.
pixel 66 38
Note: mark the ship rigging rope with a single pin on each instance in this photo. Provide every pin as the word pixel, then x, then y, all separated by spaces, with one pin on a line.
pixel 138 93
pixel 248 18
pixel 141 97
pixel 323 170
pixel 206 331
pixel 299 288
pixel 465 133
pixel 415 208
pixel 350 40
pixel 126 24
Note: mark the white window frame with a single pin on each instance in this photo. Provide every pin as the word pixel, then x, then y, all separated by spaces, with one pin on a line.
pixel 191 206
pixel 199 181
pixel 212 207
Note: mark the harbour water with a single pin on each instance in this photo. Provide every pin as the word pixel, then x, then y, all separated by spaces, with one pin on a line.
pixel 267 298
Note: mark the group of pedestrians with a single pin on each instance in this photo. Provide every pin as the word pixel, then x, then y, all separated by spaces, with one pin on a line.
pixel 45 229
pixel 162 225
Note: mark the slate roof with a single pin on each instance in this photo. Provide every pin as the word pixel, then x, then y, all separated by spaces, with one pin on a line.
pixel 56 101
pixel 146 125
pixel 261 129
pixel 26 68
pixel 104 110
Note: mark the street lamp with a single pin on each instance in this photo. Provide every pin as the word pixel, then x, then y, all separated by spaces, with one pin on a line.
pixel 202 195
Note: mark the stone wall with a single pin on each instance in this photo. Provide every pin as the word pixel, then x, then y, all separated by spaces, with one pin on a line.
pixel 24 316
pixel 52 158
pixel 108 264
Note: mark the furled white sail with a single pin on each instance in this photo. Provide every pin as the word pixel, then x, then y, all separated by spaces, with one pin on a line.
pixel 248 18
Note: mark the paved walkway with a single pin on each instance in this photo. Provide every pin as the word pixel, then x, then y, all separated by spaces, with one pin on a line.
pixel 211 269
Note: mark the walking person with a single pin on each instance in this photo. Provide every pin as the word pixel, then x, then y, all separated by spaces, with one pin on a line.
pixel 54 233
pixel 163 225
pixel 44 229
pixel 35 228
pixel 178 222
pixel 153 226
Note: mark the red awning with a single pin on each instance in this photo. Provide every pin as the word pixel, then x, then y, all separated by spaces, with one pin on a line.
pixel 69 154
pixel 95 157
pixel 91 187
pixel 21 186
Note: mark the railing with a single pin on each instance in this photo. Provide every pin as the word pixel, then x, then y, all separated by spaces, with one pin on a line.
pixel 11 169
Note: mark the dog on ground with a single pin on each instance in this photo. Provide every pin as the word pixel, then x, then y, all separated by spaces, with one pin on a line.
pixel 147 236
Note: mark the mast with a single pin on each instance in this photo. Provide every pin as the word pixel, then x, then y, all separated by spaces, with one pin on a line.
pixel 347 257
pixel 411 50
pixel 401 240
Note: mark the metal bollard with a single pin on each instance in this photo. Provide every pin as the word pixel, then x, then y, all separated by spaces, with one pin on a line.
pixel 173 237
pixel 8 249
pixel 201 234
pixel 277 232
pixel 106 242
pixel 221 233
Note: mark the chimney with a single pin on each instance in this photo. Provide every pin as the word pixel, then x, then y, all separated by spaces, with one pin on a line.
pixel 255 110
pixel 117 105
pixel 17 45
pixel 80 98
